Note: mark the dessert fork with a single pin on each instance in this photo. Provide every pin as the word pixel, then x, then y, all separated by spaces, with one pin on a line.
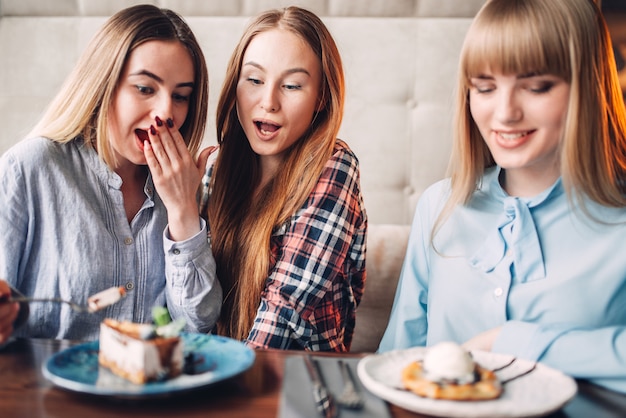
pixel 95 302
pixel 23 299
pixel 351 396
pixel 324 401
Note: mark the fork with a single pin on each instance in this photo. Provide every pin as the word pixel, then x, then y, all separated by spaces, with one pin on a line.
pixel 350 397
pixel 23 299
pixel 324 401
pixel 95 302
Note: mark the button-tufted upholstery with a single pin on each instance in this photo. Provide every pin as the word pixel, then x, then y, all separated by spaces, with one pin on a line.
pixel 400 59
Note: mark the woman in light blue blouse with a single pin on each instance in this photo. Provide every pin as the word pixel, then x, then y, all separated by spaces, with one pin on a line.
pixel 104 191
pixel 522 250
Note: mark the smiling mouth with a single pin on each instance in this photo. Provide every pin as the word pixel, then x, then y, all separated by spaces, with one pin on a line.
pixel 266 128
pixel 513 136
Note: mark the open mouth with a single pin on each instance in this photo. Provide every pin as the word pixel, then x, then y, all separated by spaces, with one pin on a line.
pixel 142 135
pixel 266 128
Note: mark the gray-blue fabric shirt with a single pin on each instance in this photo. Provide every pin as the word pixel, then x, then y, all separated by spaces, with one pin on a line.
pixel 65 235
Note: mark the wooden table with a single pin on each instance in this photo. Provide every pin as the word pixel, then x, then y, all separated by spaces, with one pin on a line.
pixel 24 392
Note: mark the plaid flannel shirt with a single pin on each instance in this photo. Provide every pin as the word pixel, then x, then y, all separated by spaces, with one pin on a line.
pixel 317 272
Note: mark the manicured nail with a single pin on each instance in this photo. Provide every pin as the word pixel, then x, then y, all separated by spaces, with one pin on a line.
pixel 158 120
pixel 170 123
pixel 152 130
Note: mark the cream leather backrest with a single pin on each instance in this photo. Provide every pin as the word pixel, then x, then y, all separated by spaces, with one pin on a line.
pixel 400 60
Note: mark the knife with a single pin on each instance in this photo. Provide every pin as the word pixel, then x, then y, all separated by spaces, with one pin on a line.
pixel 324 402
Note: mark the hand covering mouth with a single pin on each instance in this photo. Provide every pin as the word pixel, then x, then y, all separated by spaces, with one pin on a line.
pixel 266 128
pixel 142 135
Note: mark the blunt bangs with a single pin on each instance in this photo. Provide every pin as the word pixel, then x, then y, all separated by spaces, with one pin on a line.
pixel 514 37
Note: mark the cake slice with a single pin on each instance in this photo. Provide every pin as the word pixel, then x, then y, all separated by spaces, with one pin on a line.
pixel 136 353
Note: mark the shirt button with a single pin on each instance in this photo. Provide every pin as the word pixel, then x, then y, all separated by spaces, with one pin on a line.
pixel 128 241
pixel 130 286
pixel 176 251
pixel 498 292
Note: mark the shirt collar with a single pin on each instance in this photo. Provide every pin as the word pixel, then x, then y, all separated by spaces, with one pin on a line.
pixel 104 172
pixel 492 178
pixel 514 231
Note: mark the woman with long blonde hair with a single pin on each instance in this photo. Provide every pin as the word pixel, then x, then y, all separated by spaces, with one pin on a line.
pixel 284 206
pixel 104 191
pixel 521 251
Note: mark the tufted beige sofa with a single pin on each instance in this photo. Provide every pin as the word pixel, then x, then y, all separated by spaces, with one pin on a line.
pixel 400 60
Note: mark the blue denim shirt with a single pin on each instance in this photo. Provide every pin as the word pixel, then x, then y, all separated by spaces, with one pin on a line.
pixel 65 235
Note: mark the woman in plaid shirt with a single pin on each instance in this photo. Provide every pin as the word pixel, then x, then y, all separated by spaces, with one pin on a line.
pixel 282 197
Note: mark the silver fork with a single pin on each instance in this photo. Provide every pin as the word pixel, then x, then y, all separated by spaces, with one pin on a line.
pixel 351 396
pixel 324 401
pixel 23 299
pixel 95 302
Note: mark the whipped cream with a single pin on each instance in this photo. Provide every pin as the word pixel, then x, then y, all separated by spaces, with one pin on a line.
pixel 448 361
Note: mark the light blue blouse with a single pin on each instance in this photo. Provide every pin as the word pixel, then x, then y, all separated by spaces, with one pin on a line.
pixel 64 234
pixel 552 277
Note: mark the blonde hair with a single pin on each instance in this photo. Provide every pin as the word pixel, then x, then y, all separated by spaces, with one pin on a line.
pixel 568 39
pixel 81 108
pixel 241 227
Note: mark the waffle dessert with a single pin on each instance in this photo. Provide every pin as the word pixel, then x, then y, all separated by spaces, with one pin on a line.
pixel 449 372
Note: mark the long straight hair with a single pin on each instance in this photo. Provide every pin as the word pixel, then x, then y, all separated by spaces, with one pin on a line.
pixel 568 39
pixel 241 227
pixel 81 108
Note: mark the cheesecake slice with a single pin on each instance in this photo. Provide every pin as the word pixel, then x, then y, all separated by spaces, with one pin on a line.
pixel 136 353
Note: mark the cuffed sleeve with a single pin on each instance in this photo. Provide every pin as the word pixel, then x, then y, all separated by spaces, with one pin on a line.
pixel 193 291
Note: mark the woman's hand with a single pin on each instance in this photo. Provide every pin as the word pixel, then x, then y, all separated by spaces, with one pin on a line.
pixel 483 341
pixel 8 312
pixel 176 177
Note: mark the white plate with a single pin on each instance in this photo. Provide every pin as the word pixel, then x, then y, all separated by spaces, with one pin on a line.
pixel 216 358
pixel 538 393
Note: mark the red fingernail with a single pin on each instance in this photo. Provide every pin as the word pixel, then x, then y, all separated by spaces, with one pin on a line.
pixel 170 123
pixel 158 120
pixel 152 130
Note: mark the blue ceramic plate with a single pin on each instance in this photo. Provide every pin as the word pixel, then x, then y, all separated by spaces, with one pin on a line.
pixel 215 358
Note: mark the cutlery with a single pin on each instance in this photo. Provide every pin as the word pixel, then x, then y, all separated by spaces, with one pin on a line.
pixel 95 302
pixel 324 401
pixel 351 396
pixel 517 376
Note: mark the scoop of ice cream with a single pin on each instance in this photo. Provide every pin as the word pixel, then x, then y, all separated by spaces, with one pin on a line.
pixel 448 361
